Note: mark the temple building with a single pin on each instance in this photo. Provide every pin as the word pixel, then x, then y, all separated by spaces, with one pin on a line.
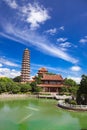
pixel 25 71
pixel 50 82
pixel 42 71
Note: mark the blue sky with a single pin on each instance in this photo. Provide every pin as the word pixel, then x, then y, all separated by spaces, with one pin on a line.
pixel 55 32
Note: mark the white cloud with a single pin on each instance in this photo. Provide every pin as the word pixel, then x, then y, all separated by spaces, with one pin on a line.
pixel 34 14
pixel 61 28
pixel 85 36
pixel 51 31
pixel 77 79
pixel 75 68
pixel 5 72
pixel 11 38
pixel 61 39
pixel 1 65
pixel 83 40
pixel 40 42
pixel 65 45
pixel 7 62
pixel 11 3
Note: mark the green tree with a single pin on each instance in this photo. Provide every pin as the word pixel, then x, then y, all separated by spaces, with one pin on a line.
pixel 73 90
pixel 8 85
pixel 82 91
pixel 35 87
pixel 4 84
pixel 15 88
pixel 37 79
pixel 25 87
pixel 69 82
pixel 63 90
pixel 71 86
pixel 2 87
pixel 17 79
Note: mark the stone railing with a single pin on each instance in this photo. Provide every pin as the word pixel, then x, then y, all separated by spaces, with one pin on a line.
pixel 72 107
pixel 63 97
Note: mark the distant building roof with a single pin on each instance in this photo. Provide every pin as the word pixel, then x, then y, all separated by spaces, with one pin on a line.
pixel 51 77
pixel 43 69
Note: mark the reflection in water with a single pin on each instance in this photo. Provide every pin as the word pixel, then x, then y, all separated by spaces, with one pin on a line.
pixel 82 117
pixel 25 118
pixel 31 108
pixel 83 129
pixel 39 114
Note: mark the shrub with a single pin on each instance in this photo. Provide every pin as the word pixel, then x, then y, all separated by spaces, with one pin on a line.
pixel 67 100
pixel 73 102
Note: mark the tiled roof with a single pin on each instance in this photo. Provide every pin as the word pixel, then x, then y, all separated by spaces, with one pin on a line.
pixel 52 77
pixel 43 69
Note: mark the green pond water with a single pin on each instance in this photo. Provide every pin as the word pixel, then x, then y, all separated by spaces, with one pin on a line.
pixel 39 114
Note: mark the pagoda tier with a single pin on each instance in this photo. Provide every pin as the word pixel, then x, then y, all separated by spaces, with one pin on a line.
pixel 25 71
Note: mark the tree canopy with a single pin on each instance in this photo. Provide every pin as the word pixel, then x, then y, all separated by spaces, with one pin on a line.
pixel 70 87
pixel 82 91
pixel 25 87
pixel 17 79
pixel 8 85
pixel 69 82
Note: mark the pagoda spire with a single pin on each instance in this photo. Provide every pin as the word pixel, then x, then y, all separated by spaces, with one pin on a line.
pixel 25 71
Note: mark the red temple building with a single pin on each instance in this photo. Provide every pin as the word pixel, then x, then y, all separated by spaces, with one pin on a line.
pixel 50 82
